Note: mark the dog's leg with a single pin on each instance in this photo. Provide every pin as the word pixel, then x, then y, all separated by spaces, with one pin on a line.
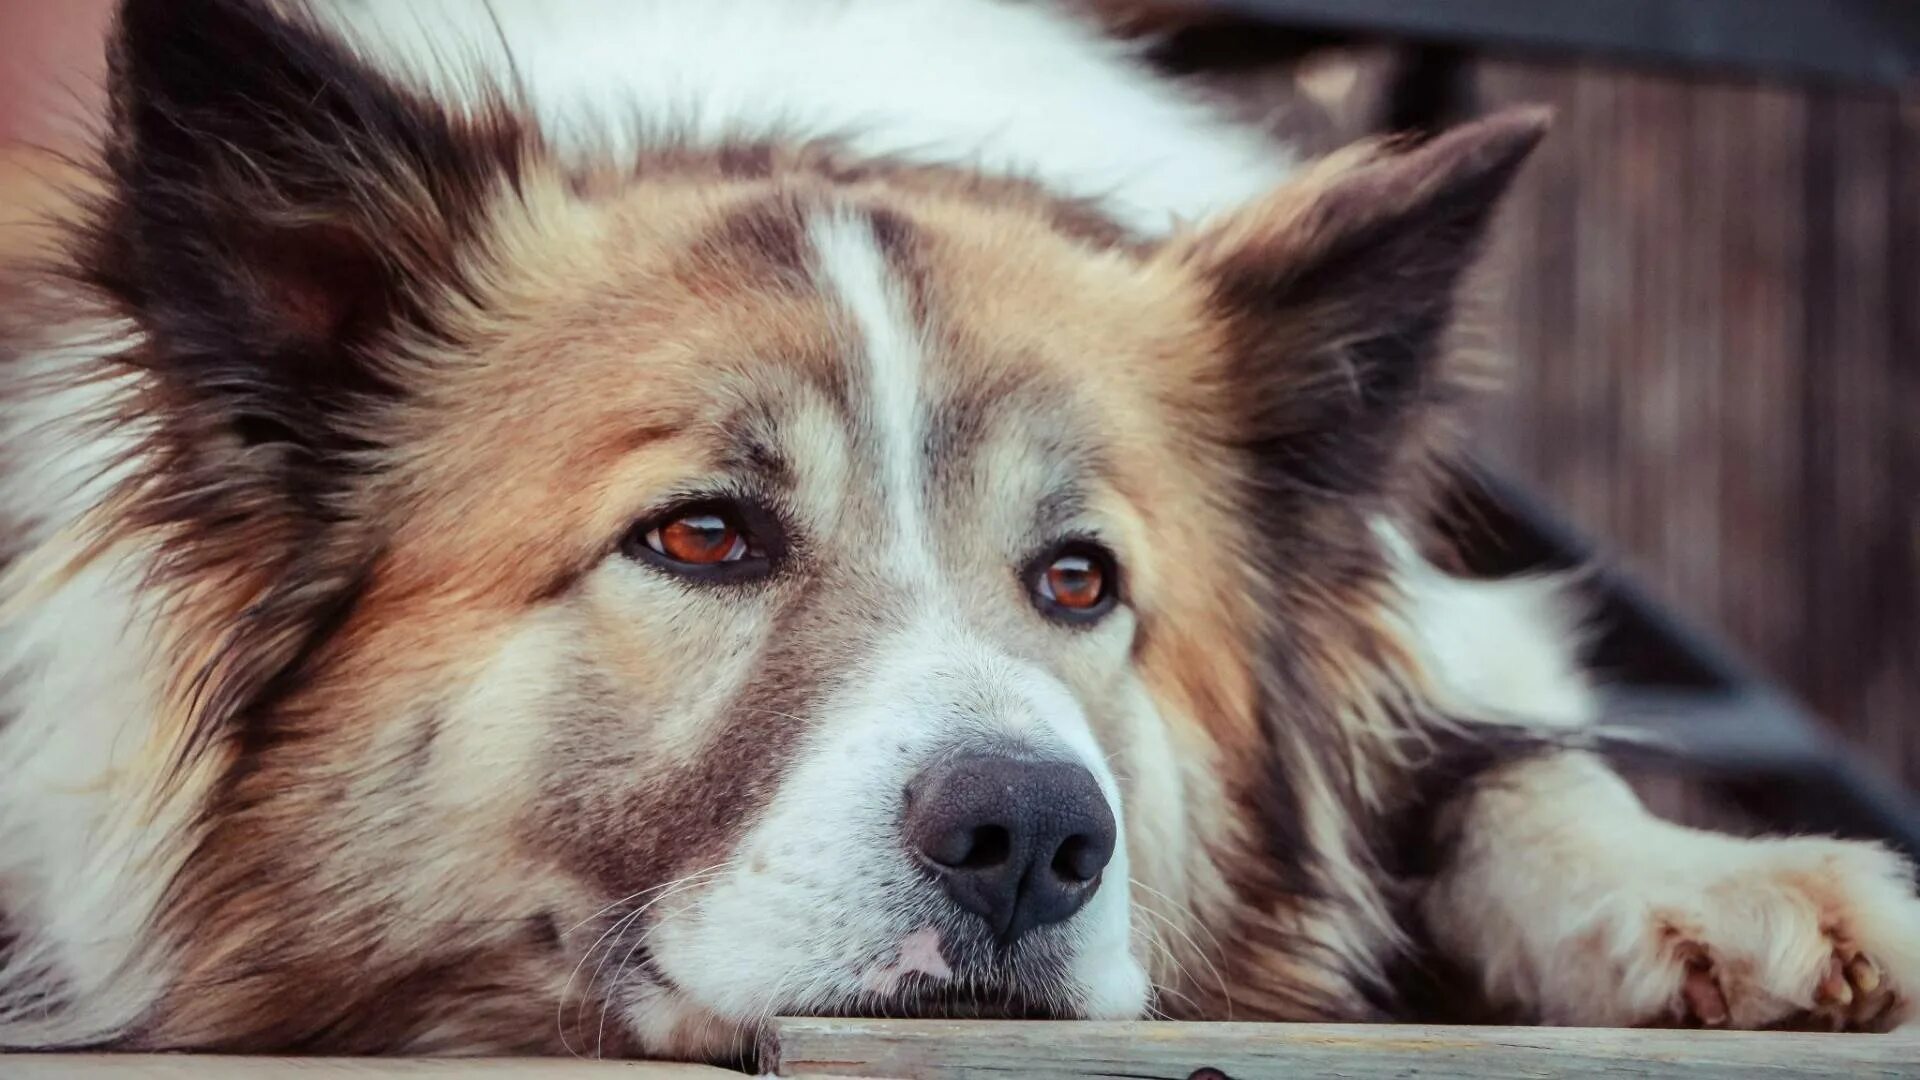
pixel 1574 905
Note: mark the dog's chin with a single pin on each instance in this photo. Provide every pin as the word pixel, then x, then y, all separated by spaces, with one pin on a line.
pixel 928 999
pixel 960 975
pixel 670 1022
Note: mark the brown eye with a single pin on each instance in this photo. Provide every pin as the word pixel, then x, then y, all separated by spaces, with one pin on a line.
pixel 1075 583
pixel 699 540
pixel 714 540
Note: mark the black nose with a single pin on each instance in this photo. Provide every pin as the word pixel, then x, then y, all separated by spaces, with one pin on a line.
pixel 1019 843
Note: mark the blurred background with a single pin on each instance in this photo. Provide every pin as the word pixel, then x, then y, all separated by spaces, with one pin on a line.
pixel 1706 296
pixel 1706 291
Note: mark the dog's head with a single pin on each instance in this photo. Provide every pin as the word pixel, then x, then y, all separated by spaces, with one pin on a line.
pixel 734 582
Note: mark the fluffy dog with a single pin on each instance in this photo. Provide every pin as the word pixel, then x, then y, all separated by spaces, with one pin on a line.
pixel 589 526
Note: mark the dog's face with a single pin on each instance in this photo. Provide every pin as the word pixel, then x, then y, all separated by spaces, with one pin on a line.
pixel 796 624
pixel 739 585
pixel 762 601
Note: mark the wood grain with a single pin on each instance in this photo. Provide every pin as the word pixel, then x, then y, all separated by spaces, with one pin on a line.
pixel 959 1050
pixel 966 1050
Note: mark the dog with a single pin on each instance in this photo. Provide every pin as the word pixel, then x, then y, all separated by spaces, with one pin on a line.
pixel 583 528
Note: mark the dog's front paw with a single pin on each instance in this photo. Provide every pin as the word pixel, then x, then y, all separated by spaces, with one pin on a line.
pixel 1576 907
pixel 1811 934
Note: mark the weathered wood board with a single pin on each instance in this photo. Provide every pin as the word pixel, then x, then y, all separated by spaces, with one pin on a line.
pixel 958 1050
pixel 962 1050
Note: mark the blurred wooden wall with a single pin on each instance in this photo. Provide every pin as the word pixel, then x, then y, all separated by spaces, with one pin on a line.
pixel 1707 295
pixel 1709 292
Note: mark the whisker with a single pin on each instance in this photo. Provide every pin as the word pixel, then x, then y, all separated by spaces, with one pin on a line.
pixel 1184 909
pixel 1173 960
pixel 1219 979
pixel 624 920
pixel 664 890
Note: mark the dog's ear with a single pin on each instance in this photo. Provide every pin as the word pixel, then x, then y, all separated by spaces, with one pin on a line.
pixel 273 207
pixel 280 223
pixel 1337 291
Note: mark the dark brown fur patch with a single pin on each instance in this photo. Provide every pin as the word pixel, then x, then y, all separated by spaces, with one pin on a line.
pixel 763 243
pixel 900 248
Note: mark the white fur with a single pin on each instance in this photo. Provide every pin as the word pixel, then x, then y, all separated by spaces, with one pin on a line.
pixel 855 273
pixel 62 460
pixel 1573 905
pixel 86 842
pixel 1008 88
pixel 1505 649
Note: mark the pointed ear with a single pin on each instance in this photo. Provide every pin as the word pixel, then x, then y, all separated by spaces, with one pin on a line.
pixel 274 212
pixel 1337 291
pixel 273 207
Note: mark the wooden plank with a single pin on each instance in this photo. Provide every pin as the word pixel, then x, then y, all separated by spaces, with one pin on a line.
pixel 963 1050
pixel 211 1067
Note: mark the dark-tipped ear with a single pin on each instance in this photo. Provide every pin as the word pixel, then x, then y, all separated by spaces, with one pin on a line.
pixel 273 206
pixel 1338 289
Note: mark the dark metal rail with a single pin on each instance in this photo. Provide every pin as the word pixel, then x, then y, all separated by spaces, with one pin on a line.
pixel 1855 41
pixel 1708 713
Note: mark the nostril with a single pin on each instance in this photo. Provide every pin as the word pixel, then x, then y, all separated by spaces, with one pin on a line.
pixel 1077 861
pixel 982 847
pixel 991 846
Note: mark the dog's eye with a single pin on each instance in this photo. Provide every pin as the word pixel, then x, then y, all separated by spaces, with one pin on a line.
pixel 1076 583
pixel 699 540
pixel 710 541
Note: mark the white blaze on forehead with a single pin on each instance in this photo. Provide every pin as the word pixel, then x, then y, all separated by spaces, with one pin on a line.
pixel 853 271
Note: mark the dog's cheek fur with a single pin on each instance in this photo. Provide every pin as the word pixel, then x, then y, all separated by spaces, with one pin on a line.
pixel 272 217
pixel 467 773
pixel 368 842
pixel 1332 301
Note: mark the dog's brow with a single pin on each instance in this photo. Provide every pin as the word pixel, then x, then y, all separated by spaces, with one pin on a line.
pixel 746 452
pixel 1058 508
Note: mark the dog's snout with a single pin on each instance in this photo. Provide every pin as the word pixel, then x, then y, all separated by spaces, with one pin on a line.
pixel 1019 843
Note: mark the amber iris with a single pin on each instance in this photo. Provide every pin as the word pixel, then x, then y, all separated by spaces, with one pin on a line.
pixel 1075 582
pixel 699 540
